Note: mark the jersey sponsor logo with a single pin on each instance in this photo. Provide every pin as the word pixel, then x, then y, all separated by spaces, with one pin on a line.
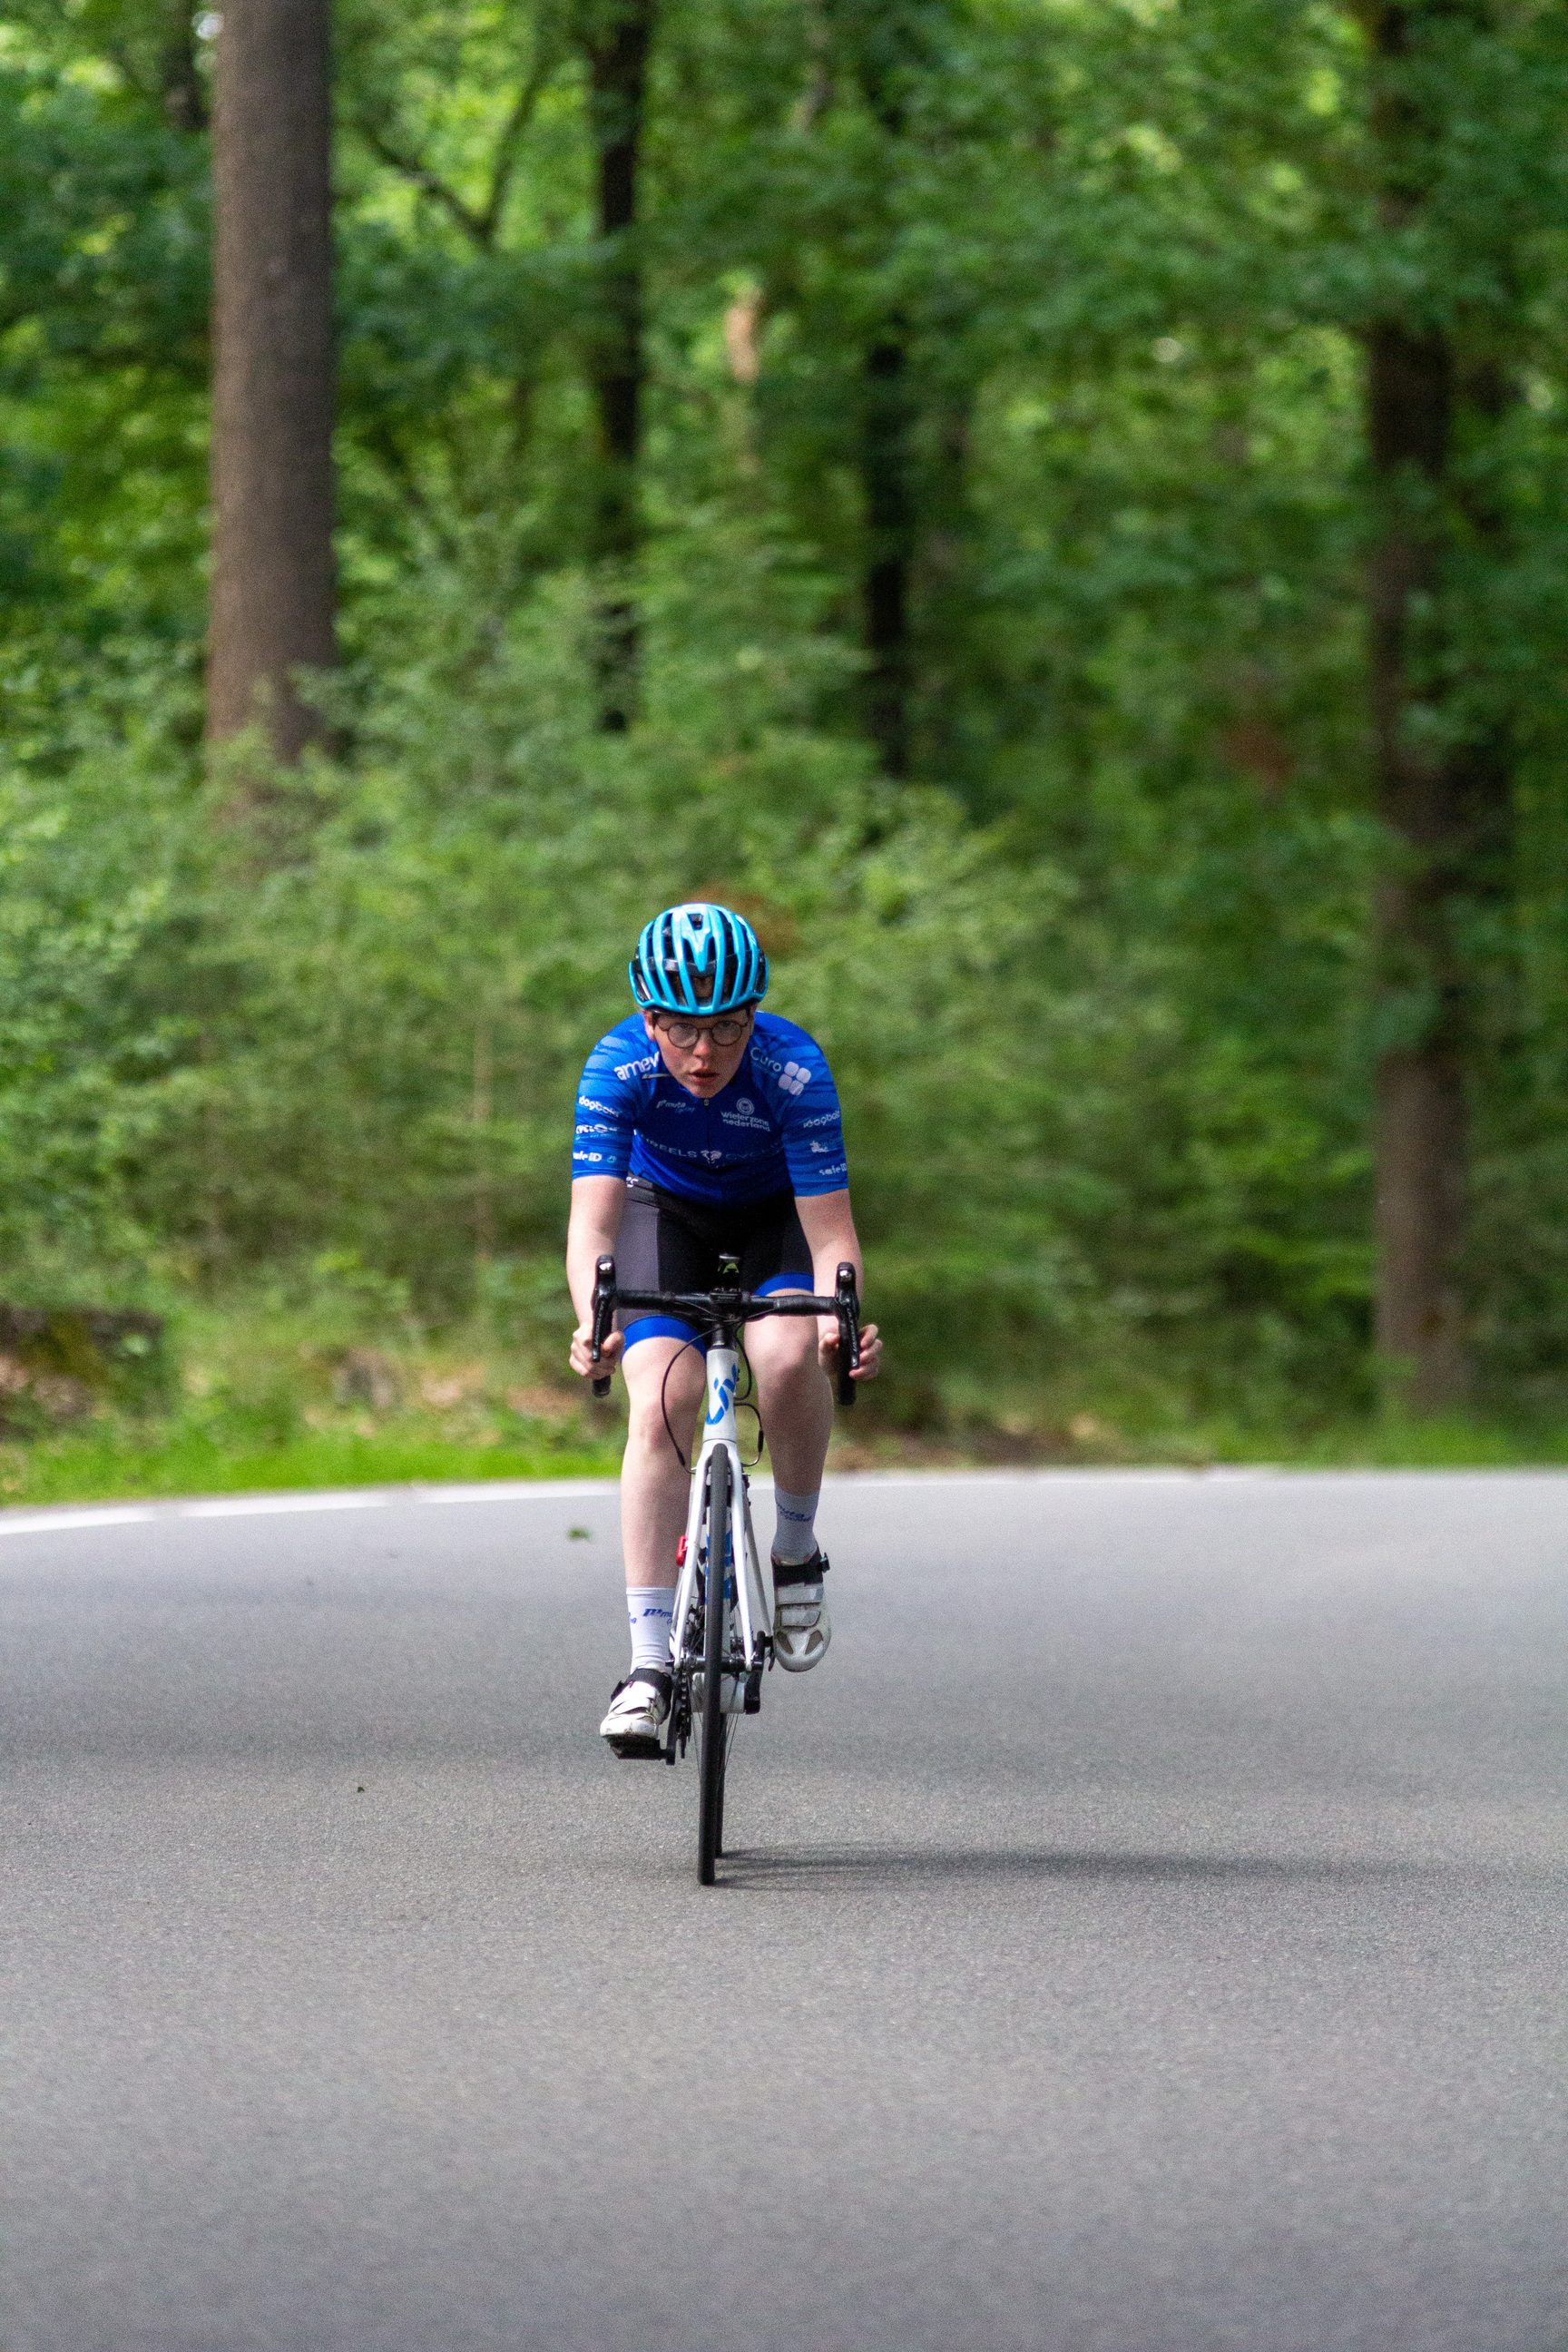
pixel 594 1156
pixel 598 1126
pixel 733 1118
pixel 746 1106
pixel 815 1146
pixel 591 1102
pixel 793 1076
pixel 825 1118
pixel 637 1069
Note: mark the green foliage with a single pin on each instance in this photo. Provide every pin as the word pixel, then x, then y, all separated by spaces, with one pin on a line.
pixel 1095 983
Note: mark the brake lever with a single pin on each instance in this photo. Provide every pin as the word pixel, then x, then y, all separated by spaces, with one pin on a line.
pixel 604 1314
pixel 847 1306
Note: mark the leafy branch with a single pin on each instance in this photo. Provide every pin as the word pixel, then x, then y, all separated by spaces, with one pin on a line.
pixel 480 225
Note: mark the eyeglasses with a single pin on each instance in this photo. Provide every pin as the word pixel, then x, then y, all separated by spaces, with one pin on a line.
pixel 685 1034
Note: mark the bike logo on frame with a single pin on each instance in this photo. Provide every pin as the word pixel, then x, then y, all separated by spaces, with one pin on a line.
pixel 725 1391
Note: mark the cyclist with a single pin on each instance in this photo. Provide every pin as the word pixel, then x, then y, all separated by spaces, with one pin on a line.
pixel 705 1124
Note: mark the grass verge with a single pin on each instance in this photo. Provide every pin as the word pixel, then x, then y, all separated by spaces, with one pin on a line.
pixel 264 1396
pixel 112 1465
pixel 114 1462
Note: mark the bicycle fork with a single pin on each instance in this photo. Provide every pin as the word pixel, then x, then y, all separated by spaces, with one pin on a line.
pixel 741 1595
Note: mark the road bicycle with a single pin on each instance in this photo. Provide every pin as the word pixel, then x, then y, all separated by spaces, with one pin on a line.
pixel 722 1640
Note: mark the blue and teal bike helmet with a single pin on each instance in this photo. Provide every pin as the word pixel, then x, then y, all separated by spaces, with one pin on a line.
pixel 698 959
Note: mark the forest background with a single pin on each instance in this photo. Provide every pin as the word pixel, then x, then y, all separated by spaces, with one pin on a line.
pixel 1043 407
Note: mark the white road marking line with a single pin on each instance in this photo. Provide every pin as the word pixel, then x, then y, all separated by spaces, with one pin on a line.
pixel 239 1506
pixel 362 1498
pixel 36 1523
pixel 552 1490
pixel 514 1490
pixel 1046 1473
pixel 65 1520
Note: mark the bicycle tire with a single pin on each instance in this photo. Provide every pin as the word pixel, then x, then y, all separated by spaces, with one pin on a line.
pixel 715 1745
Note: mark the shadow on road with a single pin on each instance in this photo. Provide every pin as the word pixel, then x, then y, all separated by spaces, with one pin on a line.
pixel 887 1865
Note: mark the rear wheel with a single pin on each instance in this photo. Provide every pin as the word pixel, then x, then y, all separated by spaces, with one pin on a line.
pixel 715 1728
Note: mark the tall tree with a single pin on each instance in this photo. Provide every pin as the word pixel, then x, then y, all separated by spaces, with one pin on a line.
pixel 896 55
pixel 272 592
pixel 180 81
pixel 886 42
pixel 890 525
pixel 1436 390
pixel 617 38
pixel 1420 1132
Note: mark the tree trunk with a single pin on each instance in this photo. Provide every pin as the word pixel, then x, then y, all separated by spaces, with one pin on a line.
pixel 185 99
pixel 1444 772
pixel 273 591
pixel 891 44
pixel 890 536
pixel 1420 1127
pixel 619 40
pixel 942 591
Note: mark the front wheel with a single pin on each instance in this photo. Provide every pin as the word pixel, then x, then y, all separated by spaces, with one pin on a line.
pixel 715 1730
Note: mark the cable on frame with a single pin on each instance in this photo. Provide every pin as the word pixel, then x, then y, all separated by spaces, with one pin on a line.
pixel 746 1404
pixel 742 1403
pixel 663 1407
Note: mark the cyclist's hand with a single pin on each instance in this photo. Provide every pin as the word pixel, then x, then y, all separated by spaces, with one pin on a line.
pixel 582 1361
pixel 870 1362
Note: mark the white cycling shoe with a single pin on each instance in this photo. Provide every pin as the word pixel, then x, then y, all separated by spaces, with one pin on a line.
pixel 639 1708
pixel 802 1629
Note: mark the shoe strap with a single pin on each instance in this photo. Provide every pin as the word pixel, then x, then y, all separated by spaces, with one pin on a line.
pixel 801 1571
pixel 651 1678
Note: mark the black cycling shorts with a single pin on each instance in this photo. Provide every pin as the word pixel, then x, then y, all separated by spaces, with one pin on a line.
pixel 669 1243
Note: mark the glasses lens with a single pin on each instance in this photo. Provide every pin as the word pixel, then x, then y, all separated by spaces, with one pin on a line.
pixel 685 1034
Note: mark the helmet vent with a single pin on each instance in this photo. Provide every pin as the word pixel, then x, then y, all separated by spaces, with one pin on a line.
pixel 698 957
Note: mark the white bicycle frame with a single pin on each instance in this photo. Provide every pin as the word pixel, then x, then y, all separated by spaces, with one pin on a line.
pixel 744 1593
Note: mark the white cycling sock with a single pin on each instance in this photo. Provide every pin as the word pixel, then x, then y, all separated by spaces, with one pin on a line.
pixel 650 1608
pixel 796 1539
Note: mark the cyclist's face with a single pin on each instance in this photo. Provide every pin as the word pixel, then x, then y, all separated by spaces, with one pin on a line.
pixel 703 1067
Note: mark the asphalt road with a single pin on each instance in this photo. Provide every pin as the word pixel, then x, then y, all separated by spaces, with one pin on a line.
pixel 1148 1934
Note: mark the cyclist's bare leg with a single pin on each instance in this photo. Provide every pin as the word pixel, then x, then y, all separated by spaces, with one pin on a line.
pixel 795 1396
pixel 655 1486
pixel 796 1403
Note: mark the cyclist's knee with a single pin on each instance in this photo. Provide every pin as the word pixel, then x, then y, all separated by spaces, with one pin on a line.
pixel 784 1351
pixel 660 1381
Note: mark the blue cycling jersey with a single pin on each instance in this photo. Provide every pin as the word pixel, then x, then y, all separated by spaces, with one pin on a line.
pixel 775 1126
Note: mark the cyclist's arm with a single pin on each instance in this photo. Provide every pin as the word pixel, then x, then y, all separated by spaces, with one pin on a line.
pixel 597 1205
pixel 828 1224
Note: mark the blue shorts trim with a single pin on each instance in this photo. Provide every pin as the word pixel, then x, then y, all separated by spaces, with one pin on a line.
pixel 658 1327
pixel 669 1327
